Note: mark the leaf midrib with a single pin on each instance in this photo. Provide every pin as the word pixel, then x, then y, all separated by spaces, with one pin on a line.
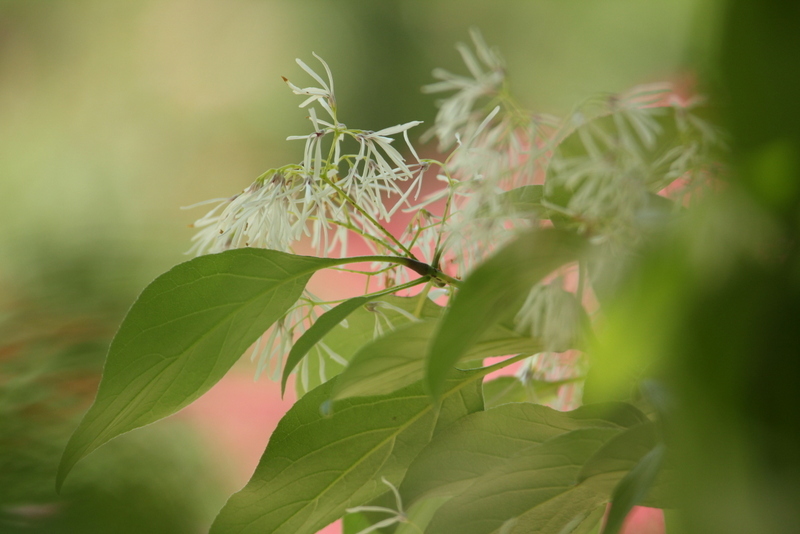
pixel 194 344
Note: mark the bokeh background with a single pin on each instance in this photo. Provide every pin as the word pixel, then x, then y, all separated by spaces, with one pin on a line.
pixel 115 114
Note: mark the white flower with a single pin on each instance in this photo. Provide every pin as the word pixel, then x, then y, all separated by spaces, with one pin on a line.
pixel 397 516
pixel 378 167
pixel 324 94
pixel 455 111
pixel 273 212
pixel 551 314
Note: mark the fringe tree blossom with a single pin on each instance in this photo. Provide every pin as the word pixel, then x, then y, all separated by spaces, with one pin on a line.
pixel 313 198
pixel 487 74
pixel 597 171
pixel 599 167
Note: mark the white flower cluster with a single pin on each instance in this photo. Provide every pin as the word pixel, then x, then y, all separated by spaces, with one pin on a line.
pixel 600 169
pixel 606 165
pixel 457 112
pixel 597 172
pixel 493 154
pixel 600 166
pixel 313 198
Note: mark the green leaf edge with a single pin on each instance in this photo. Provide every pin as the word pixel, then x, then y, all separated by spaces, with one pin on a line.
pixel 491 289
pixel 71 456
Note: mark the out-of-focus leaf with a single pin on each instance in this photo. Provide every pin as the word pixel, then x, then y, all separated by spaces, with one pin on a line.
pixel 321 327
pixel 620 454
pixel 364 325
pixel 186 330
pixel 505 389
pixel 320 462
pixel 633 488
pixel 525 200
pixel 498 285
pixel 420 514
pixel 354 523
pixel 590 524
pixel 483 441
pixel 532 492
pixel 398 358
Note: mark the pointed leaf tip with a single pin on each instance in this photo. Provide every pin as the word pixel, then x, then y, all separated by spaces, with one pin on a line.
pixel 183 333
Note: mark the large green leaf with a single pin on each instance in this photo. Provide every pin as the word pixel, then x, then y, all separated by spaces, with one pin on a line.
pixel 498 285
pixel 318 463
pixel 398 359
pixel 187 328
pixel 483 441
pixel 533 492
pixel 365 324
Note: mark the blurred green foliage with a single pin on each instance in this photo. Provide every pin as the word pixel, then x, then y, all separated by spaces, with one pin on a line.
pixel 712 311
pixel 54 334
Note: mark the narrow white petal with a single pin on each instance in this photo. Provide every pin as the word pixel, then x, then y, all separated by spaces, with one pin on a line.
pixel 313 74
pixel 396 129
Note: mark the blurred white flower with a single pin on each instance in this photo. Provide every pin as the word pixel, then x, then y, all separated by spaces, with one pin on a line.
pixel 551 314
pixel 487 74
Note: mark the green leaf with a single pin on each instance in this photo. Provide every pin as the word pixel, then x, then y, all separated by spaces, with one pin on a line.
pixel 398 359
pixel 187 328
pixel 420 514
pixel 363 325
pixel 621 456
pixel 483 441
pixel 505 389
pixel 324 324
pixel 500 284
pixel 316 465
pixel 354 523
pixel 533 492
pixel 589 524
pixel 633 488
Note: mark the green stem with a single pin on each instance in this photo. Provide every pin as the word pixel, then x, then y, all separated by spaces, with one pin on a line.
pixel 401 287
pixel 387 291
pixel 369 217
pixel 423 269
pixel 363 234
pixel 437 254
pixel 505 363
pixel 422 298
pixel 581 282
